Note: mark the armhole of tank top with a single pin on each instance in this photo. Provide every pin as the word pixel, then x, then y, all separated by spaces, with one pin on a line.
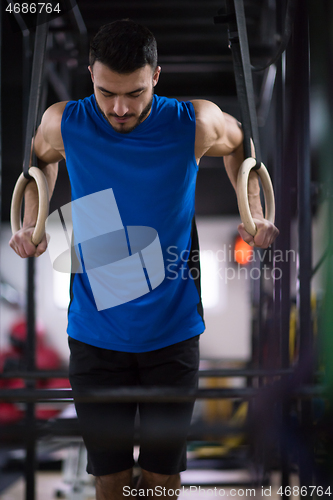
pixel 62 125
pixel 191 112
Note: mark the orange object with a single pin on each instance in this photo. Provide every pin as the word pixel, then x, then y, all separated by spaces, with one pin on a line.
pixel 242 252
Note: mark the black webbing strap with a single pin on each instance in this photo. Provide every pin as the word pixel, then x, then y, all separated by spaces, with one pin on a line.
pixel 238 42
pixel 35 88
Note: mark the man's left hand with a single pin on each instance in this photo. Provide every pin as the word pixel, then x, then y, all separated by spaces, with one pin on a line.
pixel 265 235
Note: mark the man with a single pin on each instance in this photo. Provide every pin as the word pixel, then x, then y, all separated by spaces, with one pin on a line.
pixel 147 149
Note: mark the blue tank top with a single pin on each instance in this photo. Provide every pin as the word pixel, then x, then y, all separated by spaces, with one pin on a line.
pixel 151 174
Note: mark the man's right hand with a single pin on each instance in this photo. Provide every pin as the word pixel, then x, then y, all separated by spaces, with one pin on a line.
pixel 49 149
pixel 22 244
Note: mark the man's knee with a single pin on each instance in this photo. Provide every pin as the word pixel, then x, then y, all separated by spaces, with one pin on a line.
pixel 154 479
pixel 122 478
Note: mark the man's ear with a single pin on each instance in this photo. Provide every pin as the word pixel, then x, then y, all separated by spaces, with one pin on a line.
pixel 156 75
pixel 91 73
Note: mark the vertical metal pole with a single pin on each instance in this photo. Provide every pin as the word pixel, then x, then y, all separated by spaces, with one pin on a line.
pixel 304 182
pixel 284 187
pixel 30 459
pixel 282 184
pixel 30 464
pixel 302 67
pixel 278 181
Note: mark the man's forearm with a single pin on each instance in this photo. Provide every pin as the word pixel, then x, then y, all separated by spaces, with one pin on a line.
pixel 31 195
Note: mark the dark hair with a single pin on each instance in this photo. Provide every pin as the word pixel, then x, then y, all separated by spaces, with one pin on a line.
pixel 124 46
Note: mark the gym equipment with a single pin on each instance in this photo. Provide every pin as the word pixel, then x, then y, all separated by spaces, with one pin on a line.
pixel 43 203
pixel 33 172
pixel 242 194
pixel 238 42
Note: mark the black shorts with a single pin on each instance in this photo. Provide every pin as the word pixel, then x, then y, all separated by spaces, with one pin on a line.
pixel 108 428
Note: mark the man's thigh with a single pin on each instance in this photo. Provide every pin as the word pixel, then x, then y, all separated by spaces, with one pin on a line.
pixel 107 428
pixel 164 426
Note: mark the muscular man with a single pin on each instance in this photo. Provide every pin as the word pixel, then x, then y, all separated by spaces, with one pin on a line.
pixel 147 149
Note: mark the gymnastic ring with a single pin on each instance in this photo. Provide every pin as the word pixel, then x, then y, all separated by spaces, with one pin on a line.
pixel 242 194
pixel 43 203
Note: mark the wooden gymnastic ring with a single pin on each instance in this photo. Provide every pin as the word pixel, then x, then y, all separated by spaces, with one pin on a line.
pixel 242 194
pixel 43 203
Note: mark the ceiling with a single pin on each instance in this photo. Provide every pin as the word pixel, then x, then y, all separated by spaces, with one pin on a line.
pixel 193 53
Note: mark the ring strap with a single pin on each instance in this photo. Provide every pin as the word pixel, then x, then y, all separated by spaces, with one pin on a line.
pixel 238 42
pixel 35 88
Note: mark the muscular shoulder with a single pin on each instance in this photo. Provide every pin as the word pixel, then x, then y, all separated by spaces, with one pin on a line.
pixel 51 125
pixel 217 133
pixel 210 125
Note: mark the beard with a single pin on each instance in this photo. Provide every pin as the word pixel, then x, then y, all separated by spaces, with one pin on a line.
pixel 143 115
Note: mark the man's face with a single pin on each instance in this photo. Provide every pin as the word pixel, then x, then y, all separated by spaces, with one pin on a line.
pixel 124 99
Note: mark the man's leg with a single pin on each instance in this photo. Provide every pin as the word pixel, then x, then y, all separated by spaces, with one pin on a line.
pixel 164 426
pixel 107 428
pixel 111 486
pixel 149 480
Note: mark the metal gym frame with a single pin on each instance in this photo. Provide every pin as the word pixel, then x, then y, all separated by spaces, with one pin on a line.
pixel 266 388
